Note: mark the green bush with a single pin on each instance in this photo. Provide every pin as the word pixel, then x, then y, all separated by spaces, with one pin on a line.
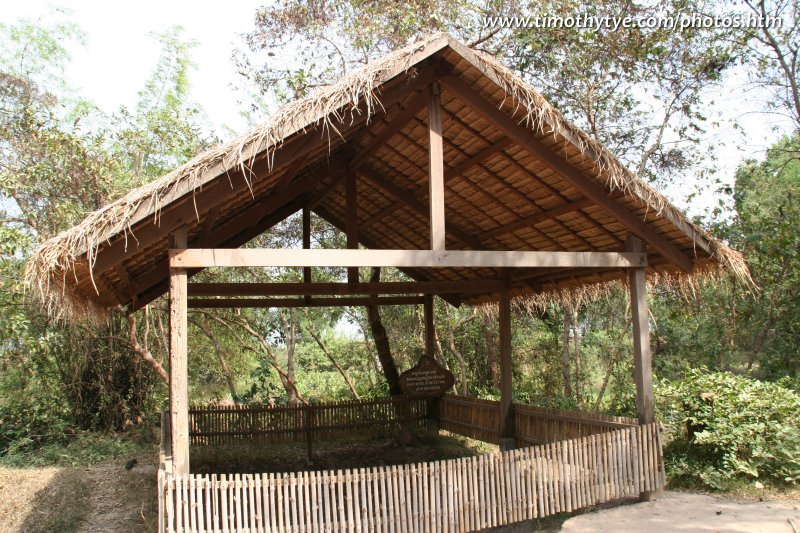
pixel 723 428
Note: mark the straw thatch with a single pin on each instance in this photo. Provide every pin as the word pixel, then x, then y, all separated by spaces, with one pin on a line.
pixel 348 115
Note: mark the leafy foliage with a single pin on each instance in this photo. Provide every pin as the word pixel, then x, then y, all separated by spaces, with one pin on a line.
pixel 724 427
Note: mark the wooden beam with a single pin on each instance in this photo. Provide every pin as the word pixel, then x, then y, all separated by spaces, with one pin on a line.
pixel 412 202
pixel 129 287
pixel 532 203
pixel 250 215
pixel 351 208
pixel 642 358
pixel 436 168
pixel 219 188
pixel 178 361
pixel 203 258
pixel 325 191
pixel 525 138
pixel 476 159
pixel 312 289
pixel 506 372
pixel 306 241
pixel 154 278
pixel 430 326
pixel 390 130
pixel 193 207
pixel 348 301
pixel 541 216
pixel 480 188
pixel 416 274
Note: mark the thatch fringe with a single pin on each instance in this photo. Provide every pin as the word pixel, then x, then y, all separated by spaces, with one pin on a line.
pixel 49 269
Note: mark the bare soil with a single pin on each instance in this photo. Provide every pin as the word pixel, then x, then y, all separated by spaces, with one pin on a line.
pixel 687 512
pixel 99 499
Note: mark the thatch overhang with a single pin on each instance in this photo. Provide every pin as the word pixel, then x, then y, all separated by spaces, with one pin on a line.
pixel 518 176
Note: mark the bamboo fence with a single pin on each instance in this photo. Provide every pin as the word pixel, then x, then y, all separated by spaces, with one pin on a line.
pixel 455 495
pixel 480 419
pixel 245 424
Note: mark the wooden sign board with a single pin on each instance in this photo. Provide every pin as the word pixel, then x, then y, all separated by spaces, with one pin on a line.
pixel 427 379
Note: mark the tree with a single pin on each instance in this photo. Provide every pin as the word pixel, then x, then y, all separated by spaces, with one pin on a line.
pixel 637 90
pixel 773 49
pixel 60 158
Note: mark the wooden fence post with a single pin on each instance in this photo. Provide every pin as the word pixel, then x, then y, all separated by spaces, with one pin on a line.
pixel 309 422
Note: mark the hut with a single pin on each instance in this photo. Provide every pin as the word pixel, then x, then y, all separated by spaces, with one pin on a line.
pixel 439 161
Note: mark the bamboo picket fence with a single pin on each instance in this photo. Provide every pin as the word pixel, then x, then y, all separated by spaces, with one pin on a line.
pixel 480 419
pixel 455 495
pixel 244 424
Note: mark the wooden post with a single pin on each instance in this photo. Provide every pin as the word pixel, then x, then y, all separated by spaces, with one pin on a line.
pixel 178 360
pixel 642 358
pixel 309 423
pixel 306 241
pixel 436 168
pixel 351 198
pixel 506 407
pixel 430 344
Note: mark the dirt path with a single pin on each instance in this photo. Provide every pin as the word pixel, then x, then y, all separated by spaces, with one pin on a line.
pixel 102 498
pixel 689 513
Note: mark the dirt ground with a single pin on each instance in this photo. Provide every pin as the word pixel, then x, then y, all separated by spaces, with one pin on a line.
pixel 689 513
pixel 101 498
pixel 107 498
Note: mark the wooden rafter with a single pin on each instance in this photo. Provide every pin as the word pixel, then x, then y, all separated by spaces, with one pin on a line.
pixel 525 198
pixel 390 129
pixel 416 205
pixel 557 163
pixel 153 281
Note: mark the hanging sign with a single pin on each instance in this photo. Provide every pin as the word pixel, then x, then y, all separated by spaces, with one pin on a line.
pixel 427 379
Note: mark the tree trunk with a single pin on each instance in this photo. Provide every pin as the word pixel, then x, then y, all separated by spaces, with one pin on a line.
pixel 142 351
pixel 329 355
pixel 290 338
pixel 206 328
pixel 491 348
pixel 576 338
pixel 565 355
pixel 382 342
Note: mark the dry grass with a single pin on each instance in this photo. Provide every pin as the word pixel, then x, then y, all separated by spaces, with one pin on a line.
pixel 99 498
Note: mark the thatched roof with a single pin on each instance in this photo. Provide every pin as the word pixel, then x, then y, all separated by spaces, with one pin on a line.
pixel 499 195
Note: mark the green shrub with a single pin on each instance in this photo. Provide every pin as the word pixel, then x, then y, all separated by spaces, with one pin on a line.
pixel 723 428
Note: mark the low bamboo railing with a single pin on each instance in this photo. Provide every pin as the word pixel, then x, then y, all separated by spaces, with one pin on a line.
pixel 456 495
pixel 480 419
pixel 245 424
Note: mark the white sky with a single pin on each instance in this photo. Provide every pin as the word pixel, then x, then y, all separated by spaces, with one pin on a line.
pixel 120 54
